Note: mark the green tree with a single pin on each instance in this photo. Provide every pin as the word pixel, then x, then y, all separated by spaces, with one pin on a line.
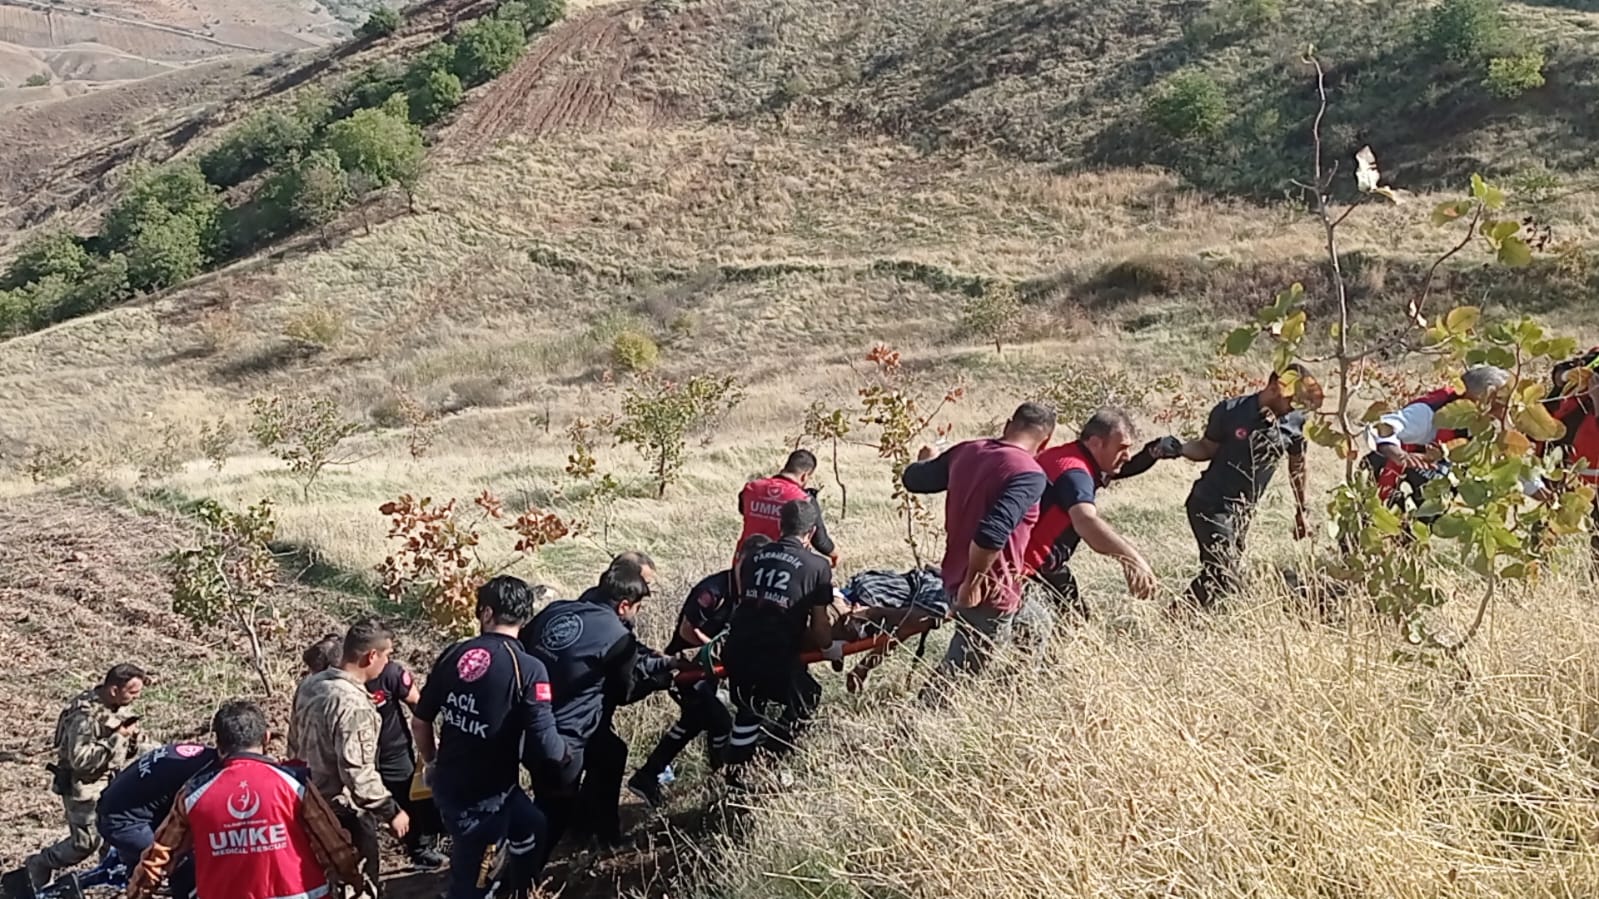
pixel 385 149
pixel 44 254
pixel 658 416
pixel 382 22
pixel 441 93
pixel 533 15
pixel 994 316
pixel 321 190
pixel 153 200
pixel 436 58
pixel 303 431
pixel 1464 30
pixel 1511 76
pixel 39 79
pixel 264 139
pixel 228 576
pixel 1188 105
pixel 163 249
pixel 487 49
pixel 106 282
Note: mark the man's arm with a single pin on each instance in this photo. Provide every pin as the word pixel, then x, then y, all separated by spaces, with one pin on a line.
pixel 1145 459
pixel 1203 448
pixel 329 840
pixel 356 736
pixel 927 475
pixel 620 665
pixel 1412 426
pixel 542 745
pixel 820 541
pixel 1104 539
pixel 688 633
pixel 1019 494
pixel 425 712
pixel 170 839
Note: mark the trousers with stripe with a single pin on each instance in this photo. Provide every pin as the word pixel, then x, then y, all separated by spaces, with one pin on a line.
pixel 510 820
pixel 770 707
pixel 700 712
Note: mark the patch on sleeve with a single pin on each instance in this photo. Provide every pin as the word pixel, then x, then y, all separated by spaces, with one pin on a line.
pixel 188 750
pixel 708 600
pixel 541 693
pixel 405 679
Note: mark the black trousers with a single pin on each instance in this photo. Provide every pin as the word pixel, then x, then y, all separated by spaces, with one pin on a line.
pixel 424 814
pixel 700 711
pixel 363 832
pixel 585 803
pixel 771 705
pixel 1220 532
pixel 1059 589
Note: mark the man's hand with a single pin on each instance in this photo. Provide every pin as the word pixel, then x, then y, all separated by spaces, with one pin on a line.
pixel 1141 581
pixel 1167 447
pixel 923 454
pixel 427 775
pixel 1301 527
pixel 400 824
pixel 1405 460
pixel 969 596
pixel 129 731
pixel 833 559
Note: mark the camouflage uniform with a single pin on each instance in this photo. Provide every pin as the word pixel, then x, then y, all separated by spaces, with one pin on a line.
pixel 89 754
pixel 334 730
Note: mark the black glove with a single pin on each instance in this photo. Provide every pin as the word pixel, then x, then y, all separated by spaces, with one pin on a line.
pixel 1167 447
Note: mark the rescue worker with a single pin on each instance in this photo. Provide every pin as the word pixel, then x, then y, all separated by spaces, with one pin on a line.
pixel 991 491
pixel 1409 444
pixel 1069 515
pixel 335 729
pixel 140 798
pixel 484 712
pixel 785 594
pixel 393 691
pixel 595 663
pixel 96 735
pixel 1579 412
pixel 761 502
pixel 1244 439
pixel 258 828
pixel 702 620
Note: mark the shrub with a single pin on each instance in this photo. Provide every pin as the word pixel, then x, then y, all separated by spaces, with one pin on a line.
pixel 47 463
pixel 532 14
pixel 319 191
pixel 44 254
pixel 318 327
pixel 634 352
pixel 105 283
pixel 1511 76
pixel 1463 30
pixel 436 58
pixel 166 249
pixel 375 84
pixel 226 579
pixel 487 49
pixel 39 79
pixel 264 139
pixel 993 316
pixel 183 212
pixel 216 442
pixel 384 148
pixel 303 431
pixel 1188 105
pixel 658 415
pixel 382 22
pixel 1233 18
pixel 441 93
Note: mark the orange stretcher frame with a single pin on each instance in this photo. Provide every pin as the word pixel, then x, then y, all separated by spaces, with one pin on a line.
pixel 855 647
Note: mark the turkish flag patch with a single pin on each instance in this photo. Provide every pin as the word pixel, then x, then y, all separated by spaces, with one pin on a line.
pixel 541 693
pixel 379 697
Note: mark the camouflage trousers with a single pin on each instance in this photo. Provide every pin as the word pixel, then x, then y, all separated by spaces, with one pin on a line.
pixel 82 841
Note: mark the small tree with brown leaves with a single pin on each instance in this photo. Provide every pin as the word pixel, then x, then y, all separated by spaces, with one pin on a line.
pixel 227 577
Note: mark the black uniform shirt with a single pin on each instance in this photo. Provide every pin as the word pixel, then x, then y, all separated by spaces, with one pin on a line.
pixel 487 693
pixel 782 583
pixel 707 609
pixel 591 656
pixel 1250 442
pixel 389 690
pixel 142 794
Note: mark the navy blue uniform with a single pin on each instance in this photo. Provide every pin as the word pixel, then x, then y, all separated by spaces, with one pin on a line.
pixel 136 801
pixel 708 609
pixel 596 664
pixel 491 702
pixel 396 758
pixel 782 583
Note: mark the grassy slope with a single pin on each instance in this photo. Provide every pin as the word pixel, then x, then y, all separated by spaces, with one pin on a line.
pixel 768 244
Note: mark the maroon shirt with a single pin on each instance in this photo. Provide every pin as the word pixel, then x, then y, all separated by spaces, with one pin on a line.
pixel 991 492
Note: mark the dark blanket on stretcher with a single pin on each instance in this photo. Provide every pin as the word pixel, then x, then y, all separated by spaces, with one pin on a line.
pixel 920 587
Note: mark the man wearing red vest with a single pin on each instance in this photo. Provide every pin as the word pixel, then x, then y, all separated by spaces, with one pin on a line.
pixel 1579 412
pixel 991 490
pixel 1076 471
pixel 761 503
pixel 258 828
pixel 1408 440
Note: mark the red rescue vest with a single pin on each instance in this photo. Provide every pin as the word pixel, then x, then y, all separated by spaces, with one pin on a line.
pixel 762 502
pixel 1054 522
pixel 1582 437
pixel 1391 474
pixel 248 839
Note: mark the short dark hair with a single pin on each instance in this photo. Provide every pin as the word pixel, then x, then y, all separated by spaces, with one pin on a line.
pixel 239 724
pixel 120 675
pixel 752 544
pixel 635 560
pixel 622 583
pixel 364 636
pixel 509 598
pixel 798 516
pixel 324 653
pixel 1030 416
pixel 1298 368
pixel 800 462
pixel 1107 421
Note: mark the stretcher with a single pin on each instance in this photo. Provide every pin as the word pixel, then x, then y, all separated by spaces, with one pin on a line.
pixel 878 643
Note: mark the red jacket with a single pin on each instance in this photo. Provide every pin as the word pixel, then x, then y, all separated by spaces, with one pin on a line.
pixel 1582 436
pixel 249 842
pixel 1389 474
pixel 761 503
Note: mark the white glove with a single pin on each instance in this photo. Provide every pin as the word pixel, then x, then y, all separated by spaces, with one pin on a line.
pixel 834 653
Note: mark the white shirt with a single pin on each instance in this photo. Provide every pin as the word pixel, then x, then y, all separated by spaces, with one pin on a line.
pixel 1415 425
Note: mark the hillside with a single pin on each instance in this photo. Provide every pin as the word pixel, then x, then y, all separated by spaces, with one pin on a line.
pixel 768 190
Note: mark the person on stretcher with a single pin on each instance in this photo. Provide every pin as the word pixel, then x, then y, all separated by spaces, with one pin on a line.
pixel 898 605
